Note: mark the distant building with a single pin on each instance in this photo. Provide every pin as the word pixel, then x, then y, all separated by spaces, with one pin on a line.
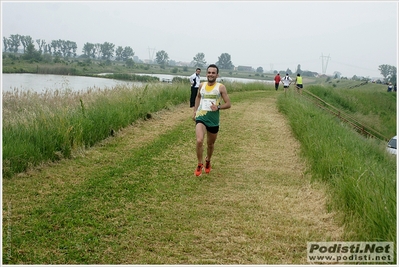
pixel 183 64
pixel 245 68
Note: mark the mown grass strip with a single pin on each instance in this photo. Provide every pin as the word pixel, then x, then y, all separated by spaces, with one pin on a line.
pixel 83 218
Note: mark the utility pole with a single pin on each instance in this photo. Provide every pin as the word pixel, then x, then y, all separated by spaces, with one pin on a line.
pixel 151 55
pixel 324 64
pixel 271 67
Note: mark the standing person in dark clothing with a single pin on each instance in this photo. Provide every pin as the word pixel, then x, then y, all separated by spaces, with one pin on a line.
pixel 277 80
pixel 195 82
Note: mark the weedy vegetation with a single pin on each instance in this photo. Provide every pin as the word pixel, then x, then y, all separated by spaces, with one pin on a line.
pixel 360 174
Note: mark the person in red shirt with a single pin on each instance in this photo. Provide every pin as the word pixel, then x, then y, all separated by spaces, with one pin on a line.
pixel 277 80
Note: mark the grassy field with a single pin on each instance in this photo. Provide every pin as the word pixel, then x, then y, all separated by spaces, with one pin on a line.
pixel 118 185
pixel 133 198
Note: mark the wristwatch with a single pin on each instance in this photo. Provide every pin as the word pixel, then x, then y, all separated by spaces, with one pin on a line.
pixel 218 107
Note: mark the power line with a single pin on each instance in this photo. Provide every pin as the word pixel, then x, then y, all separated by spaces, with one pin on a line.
pixel 324 64
pixel 151 55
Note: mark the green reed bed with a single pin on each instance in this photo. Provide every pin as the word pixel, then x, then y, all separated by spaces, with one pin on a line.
pixel 40 127
pixel 359 172
pixel 48 126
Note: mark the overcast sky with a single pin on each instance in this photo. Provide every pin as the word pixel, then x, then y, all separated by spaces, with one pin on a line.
pixel 353 38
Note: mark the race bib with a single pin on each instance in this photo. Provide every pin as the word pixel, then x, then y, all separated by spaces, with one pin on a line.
pixel 207 103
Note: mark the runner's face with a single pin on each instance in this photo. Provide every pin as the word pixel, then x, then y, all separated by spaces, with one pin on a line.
pixel 211 75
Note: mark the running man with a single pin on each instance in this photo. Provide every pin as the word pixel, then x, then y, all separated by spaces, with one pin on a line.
pixel 298 83
pixel 206 116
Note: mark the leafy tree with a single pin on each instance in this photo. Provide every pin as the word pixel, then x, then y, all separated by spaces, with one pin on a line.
pixel 67 48
pixel 388 72
pixel 259 70
pixel 224 62
pixel 127 53
pixel 118 53
pixel 199 60
pixel 15 42
pixel 337 74
pixel 107 50
pixel 298 69
pixel 5 44
pixel 55 44
pixel 89 50
pixel 162 58
pixel 130 63
pixel 98 50
pixel 41 44
pixel 47 49
pixel 288 71
pixel 31 53
pixel 25 41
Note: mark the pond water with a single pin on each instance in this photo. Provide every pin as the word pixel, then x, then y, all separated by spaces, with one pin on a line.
pixel 48 82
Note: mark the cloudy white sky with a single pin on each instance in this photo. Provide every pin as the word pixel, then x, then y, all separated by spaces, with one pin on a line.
pixel 353 38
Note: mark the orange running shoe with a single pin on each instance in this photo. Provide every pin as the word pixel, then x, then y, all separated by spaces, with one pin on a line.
pixel 198 170
pixel 207 166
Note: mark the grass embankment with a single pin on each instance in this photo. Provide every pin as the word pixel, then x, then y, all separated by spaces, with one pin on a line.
pixel 360 175
pixel 369 104
pixel 133 199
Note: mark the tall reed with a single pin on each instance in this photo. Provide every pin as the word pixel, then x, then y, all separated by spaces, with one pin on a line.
pixel 41 127
pixel 38 127
pixel 359 172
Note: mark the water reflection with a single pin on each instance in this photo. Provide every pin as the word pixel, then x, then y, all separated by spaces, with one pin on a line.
pixel 48 82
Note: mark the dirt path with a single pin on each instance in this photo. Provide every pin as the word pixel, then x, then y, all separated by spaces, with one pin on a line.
pixel 256 207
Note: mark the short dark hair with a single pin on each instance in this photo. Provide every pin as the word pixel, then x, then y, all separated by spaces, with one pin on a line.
pixel 213 66
pixel 198 69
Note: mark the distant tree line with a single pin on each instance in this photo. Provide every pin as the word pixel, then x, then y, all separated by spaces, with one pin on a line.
pixel 107 51
pixel 60 48
pixel 104 51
